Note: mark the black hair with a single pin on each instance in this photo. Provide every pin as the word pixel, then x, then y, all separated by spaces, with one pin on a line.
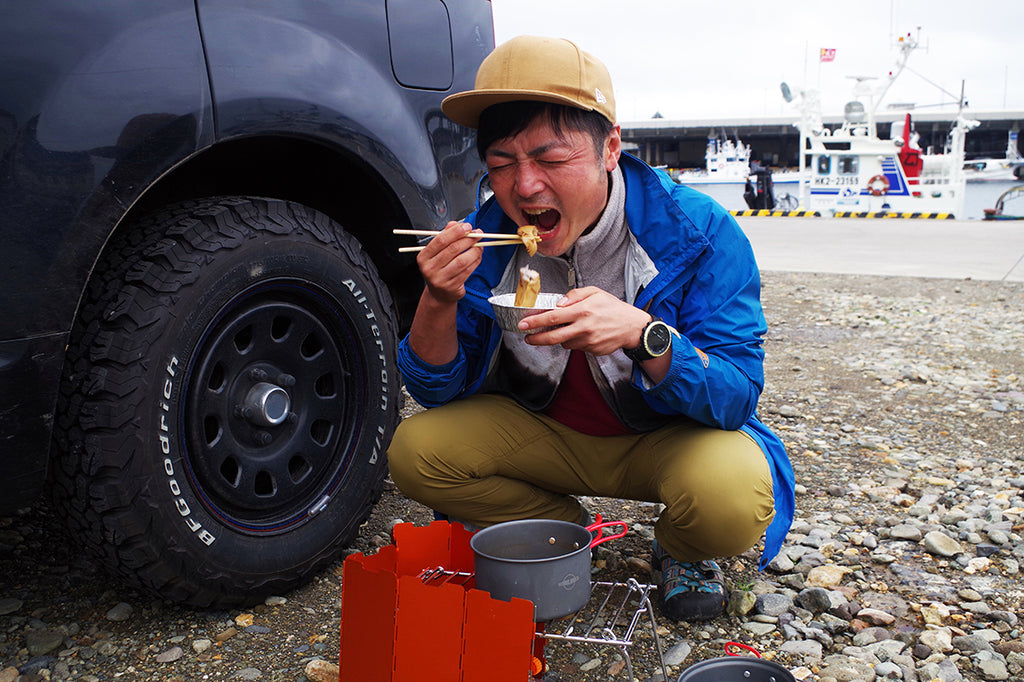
pixel 501 121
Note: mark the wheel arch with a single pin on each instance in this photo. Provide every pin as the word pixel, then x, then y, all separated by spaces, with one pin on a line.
pixel 338 183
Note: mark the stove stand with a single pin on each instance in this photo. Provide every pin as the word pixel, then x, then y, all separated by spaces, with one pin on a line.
pixel 610 618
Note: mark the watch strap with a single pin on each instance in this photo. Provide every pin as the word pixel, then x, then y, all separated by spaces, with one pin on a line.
pixel 642 352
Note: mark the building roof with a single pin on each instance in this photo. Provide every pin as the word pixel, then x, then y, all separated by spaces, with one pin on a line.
pixel 669 127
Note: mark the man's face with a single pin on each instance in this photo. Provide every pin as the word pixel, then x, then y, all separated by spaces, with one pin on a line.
pixel 559 185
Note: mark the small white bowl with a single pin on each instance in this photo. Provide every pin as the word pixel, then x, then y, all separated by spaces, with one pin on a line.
pixel 509 315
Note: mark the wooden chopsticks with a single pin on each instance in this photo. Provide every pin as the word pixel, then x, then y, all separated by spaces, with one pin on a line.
pixel 499 239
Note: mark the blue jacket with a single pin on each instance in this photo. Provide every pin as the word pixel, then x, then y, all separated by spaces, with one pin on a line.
pixel 705 283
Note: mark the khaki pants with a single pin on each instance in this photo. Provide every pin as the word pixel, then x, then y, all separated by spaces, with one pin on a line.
pixel 485 459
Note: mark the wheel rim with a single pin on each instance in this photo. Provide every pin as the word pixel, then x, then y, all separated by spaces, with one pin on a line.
pixel 273 407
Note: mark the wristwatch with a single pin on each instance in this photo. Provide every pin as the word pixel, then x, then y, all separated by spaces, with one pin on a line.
pixel 655 340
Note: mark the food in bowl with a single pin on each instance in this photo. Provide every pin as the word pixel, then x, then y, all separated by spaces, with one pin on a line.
pixel 528 288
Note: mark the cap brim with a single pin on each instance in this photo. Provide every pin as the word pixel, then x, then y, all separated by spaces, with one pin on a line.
pixel 465 107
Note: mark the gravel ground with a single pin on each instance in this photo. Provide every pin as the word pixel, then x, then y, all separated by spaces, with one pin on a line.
pixel 900 401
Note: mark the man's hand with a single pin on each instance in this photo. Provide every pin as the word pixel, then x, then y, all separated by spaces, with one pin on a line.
pixel 595 322
pixel 446 263
pixel 448 260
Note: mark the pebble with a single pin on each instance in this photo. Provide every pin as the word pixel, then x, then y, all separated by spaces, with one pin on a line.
pixel 10 605
pixel 876 616
pixel 905 531
pixel 758 629
pixel 815 599
pixel 846 669
pixel 741 602
pixel 937 639
pixel 319 670
pixel 36 665
pixel 170 656
pixel 43 641
pixel 773 604
pixel 120 612
pixel 828 575
pixel 808 650
pixel 639 566
pixel 939 543
pixel 225 635
pixel 677 654
pixel 789 411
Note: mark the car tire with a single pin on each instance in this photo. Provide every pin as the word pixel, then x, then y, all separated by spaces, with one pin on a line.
pixel 228 397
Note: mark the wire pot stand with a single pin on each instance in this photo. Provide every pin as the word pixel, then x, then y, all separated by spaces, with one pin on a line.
pixel 618 610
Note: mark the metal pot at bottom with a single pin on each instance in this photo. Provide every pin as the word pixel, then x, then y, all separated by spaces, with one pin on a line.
pixel 541 560
pixel 736 669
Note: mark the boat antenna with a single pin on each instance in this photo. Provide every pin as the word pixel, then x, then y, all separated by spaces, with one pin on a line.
pixel 939 87
pixel 906 44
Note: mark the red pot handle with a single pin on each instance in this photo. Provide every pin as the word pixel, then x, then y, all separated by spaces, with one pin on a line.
pixel 599 527
pixel 729 652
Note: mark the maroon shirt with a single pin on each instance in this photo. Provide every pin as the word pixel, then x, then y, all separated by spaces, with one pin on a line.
pixel 579 404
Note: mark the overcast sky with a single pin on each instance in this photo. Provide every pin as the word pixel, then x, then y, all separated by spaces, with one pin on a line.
pixel 726 58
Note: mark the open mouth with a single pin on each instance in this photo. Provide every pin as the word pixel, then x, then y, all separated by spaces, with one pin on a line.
pixel 545 220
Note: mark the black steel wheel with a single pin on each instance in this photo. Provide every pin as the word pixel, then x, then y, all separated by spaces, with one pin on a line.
pixel 274 397
pixel 228 399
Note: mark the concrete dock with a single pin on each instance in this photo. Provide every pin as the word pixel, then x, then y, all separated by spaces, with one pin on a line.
pixel 957 249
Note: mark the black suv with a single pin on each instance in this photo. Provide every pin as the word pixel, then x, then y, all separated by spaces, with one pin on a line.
pixel 200 290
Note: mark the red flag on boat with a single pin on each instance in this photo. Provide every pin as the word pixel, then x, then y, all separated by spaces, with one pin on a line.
pixel 827 54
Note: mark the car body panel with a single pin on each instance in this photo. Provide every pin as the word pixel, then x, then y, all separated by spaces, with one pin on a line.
pixel 98 102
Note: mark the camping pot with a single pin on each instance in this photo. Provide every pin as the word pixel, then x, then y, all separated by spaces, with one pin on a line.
pixel 544 561
pixel 735 668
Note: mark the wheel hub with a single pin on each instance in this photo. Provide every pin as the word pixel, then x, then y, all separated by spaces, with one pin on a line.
pixel 266 404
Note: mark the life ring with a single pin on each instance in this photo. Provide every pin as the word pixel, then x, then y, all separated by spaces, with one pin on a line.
pixel 878 185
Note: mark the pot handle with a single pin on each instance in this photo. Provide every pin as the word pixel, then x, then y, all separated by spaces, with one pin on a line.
pixel 729 646
pixel 599 525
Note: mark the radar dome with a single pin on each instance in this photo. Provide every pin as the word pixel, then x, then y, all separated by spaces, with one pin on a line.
pixel 854 112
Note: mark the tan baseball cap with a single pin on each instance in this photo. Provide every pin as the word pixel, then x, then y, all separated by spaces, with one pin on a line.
pixel 537 69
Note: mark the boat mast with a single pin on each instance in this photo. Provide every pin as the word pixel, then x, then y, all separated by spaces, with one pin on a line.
pixel 906 44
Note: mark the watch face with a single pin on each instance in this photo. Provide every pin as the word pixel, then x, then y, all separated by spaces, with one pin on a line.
pixel 658 338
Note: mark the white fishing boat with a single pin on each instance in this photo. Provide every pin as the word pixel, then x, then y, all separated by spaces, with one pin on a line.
pixel 851 169
pixel 1006 169
pixel 727 162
